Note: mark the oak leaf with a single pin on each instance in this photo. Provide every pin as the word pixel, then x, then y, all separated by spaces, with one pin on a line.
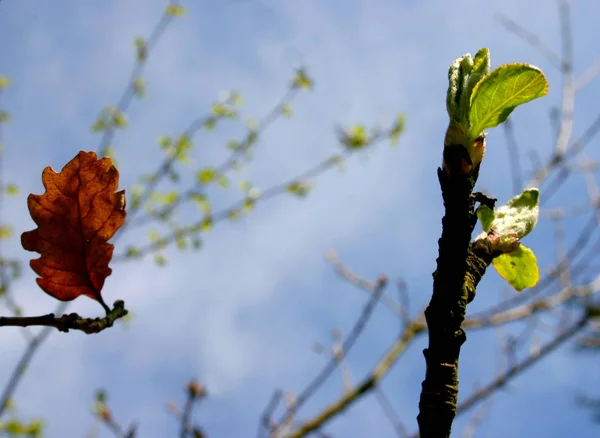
pixel 76 216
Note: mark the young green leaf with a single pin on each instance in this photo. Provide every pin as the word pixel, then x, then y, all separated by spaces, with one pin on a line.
pixel 397 128
pixel 206 175
pixel 139 87
pixel 206 224
pixel 4 81
pixel 175 10
pixel 301 80
pixel 519 215
pixel 141 50
pixel 286 110
pixel 519 268
pixel 481 67
pixel 202 202
pixel 299 188
pixel 486 217
pixel 354 138
pixel 500 92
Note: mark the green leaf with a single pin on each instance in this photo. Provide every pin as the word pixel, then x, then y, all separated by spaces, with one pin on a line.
pixel 165 199
pixel 248 205
pixel 355 138
pixel 233 214
pixel 4 81
pixel 221 110
pixel 99 125
pixel 519 268
pixel 299 188
pixel 175 10
pixel 245 186
pixel 519 215
pixel 132 251
pixel 452 97
pixel 486 216
pixel 223 181
pixel 160 259
pixel 478 68
pixel 141 50
pixel 209 123
pixel 119 118
pixel 164 141
pixel 202 202
pixel 251 136
pixel 235 98
pixel 184 142
pixel 233 144
pixel 14 427
pixel 5 232
pixel 139 87
pixel 286 110
pixel 182 146
pixel 337 161
pixel 180 241
pixel 500 92
pixel 397 129
pixel 206 175
pixel 101 396
pixel 4 116
pixel 11 189
pixel 206 224
pixel 301 80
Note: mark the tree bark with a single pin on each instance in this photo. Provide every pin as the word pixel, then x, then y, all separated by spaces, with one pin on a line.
pixel 460 266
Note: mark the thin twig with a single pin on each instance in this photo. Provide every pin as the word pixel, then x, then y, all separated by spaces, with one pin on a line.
pixel 136 72
pixel 346 346
pixel 520 367
pixel 366 285
pixel 265 423
pixel 68 322
pixel 379 371
pixel 263 126
pixel 390 412
pixel 530 38
pixel 18 371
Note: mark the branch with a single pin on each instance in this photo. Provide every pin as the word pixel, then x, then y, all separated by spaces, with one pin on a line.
pixel 518 368
pixel 19 369
pixel 370 382
pixel 68 322
pixel 346 346
pixel 195 392
pixel 460 266
pixel 501 381
pixel 366 285
pixel 138 69
pixel 518 313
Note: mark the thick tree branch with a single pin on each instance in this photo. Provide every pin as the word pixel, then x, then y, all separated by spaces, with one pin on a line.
pixel 460 266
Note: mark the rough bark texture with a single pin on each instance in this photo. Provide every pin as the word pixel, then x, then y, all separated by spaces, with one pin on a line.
pixel 460 266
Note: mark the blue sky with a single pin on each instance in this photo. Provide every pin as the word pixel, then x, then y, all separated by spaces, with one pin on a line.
pixel 241 314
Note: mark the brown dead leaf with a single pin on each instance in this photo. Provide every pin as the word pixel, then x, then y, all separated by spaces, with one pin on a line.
pixel 76 216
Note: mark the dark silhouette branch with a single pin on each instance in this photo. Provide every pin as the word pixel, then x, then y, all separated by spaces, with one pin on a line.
pixel 68 322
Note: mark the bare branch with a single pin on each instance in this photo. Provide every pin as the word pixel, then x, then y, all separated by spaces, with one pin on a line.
pixel 346 346
pixel 68 322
